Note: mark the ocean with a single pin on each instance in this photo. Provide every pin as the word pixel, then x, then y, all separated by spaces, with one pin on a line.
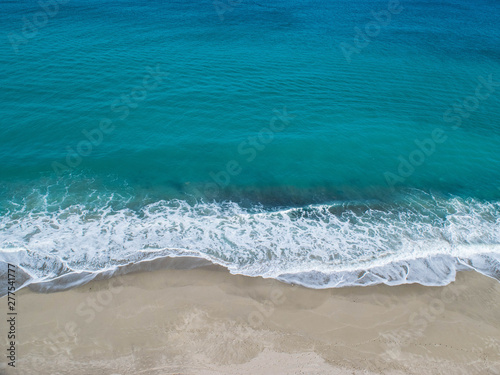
pixel 321 143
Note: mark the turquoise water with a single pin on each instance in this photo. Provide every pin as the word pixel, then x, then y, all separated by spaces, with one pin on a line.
pixel 326 143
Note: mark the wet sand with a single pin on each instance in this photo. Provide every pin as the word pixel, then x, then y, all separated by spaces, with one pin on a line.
pixel 206 321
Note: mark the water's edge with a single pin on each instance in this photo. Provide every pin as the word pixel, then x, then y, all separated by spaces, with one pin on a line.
pixel 398 273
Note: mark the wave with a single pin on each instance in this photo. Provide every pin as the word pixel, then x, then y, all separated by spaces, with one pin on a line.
pixel 422 240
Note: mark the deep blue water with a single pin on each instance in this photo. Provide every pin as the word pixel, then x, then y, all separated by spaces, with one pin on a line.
pixel 327 143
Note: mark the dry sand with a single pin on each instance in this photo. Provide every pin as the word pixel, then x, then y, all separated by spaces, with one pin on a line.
pixel 206 321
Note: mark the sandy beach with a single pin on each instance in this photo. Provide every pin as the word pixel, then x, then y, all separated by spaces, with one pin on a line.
pixel 236 187
pixel 207 321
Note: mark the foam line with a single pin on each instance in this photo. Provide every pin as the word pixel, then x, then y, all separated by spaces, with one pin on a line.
pixel 315 246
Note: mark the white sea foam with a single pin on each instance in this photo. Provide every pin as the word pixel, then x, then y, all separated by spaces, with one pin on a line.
pixel 423 241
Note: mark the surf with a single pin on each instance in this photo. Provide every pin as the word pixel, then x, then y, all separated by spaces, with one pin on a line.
pixel 423 239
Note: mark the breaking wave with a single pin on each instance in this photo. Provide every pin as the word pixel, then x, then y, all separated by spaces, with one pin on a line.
pixel 421 240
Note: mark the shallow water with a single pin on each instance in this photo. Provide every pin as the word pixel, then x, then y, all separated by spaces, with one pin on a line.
pixel 252 139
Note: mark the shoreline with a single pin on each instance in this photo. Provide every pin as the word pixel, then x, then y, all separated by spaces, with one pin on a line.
pixel 394 273
pixel 426 241
pixel 207 321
